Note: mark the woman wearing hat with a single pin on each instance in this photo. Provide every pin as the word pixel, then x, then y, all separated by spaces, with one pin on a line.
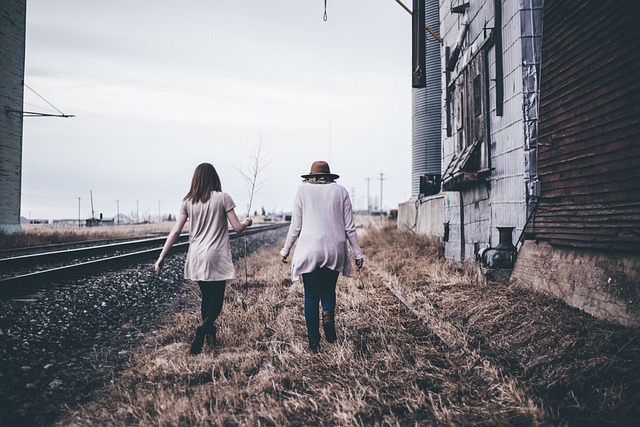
pixel 322 223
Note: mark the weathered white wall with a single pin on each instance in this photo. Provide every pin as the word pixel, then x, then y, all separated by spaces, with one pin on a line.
pixel 503 199
pixel 423 216
pixel 12 53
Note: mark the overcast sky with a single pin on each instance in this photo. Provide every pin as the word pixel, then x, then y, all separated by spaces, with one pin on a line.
pixel 158 87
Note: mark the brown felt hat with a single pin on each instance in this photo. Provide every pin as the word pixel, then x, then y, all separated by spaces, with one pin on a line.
pixel 320 168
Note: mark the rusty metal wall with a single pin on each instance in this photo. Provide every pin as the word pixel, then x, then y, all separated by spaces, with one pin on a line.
pixel 589 130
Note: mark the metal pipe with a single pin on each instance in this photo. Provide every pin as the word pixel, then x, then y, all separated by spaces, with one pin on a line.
pixel 455 54
pixel 497 40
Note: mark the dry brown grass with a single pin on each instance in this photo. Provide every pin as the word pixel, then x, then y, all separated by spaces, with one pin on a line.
pixel 583 371
pixel 40 235
pixel 444 365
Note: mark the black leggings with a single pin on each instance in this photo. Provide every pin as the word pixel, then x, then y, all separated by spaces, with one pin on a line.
pixel 212 299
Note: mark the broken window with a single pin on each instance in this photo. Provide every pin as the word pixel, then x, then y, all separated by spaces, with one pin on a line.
pixel 470 162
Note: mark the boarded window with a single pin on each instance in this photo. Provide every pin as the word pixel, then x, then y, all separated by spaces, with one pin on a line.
pixel 477 96
pixel 470 163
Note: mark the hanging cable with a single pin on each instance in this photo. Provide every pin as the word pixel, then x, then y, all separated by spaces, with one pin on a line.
pixel 324 17
pixel 34 114
pixel 41 97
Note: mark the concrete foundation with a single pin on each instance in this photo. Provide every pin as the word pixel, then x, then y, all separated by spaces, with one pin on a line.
pixel 606 286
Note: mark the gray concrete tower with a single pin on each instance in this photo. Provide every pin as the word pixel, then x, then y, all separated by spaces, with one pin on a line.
pixel 12 55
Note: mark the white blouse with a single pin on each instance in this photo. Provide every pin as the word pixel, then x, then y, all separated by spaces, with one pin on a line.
pixel 209 255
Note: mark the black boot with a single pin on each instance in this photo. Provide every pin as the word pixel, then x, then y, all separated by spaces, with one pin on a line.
pixel 329 326
pixel 198 340
pixel 211 338
pixel 314 345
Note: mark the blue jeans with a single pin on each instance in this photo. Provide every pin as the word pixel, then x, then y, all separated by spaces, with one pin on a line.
pixel 319 287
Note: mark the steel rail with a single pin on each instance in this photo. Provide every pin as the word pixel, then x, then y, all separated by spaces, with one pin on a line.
pixel 60 255
pixel 30 280
pixel 6 253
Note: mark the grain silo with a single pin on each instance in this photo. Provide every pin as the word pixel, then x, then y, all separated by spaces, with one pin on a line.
pixel 426 152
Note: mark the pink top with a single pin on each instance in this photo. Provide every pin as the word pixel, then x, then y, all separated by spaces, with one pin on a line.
pixel 209 255
pixel 322 223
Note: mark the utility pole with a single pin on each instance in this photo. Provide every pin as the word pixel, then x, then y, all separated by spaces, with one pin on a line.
pixel 381 179
pixel 118 211
pixel 92 214
pixel 137 210
pixel 79 211
pixel 368 197
pixel 159 215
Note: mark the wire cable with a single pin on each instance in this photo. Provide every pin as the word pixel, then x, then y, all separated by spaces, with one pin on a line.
pixel 41 97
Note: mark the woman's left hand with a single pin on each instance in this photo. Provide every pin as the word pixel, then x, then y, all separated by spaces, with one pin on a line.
pixel 359 263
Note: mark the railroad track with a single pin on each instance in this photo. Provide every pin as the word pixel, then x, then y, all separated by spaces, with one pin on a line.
pixel 25 272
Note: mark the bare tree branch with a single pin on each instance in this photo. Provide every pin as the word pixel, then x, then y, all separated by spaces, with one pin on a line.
pixel 251 175
pixel 253 185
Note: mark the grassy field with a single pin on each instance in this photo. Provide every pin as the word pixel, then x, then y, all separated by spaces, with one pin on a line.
pixel 465 352
pixel 41 235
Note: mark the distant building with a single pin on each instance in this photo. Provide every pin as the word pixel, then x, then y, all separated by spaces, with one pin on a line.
pixel 96 222
pixel 121 219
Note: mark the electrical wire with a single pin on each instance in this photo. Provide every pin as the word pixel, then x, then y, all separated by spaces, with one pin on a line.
pixel 41 97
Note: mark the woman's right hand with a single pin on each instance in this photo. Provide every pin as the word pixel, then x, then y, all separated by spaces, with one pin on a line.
pixel 158 265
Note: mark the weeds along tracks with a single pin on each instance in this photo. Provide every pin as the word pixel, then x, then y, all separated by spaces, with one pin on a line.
pixel 25 272
pixel 514 398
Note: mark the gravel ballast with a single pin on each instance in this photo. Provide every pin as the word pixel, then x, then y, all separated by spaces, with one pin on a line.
pixel 60 345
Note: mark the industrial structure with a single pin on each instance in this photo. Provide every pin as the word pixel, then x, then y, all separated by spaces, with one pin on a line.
pixel 12 57
pixel 540 148
pixel 582 243
pixel 525 142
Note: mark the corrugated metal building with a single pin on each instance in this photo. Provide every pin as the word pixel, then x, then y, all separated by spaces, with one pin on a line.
pixel 541 134
pixel 589 157
pixel 583 242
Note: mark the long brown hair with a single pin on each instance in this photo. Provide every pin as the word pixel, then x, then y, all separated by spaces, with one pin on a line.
pixel 205 180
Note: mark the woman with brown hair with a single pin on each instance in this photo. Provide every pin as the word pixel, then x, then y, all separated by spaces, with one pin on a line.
pixel 209 262
pixel 322 223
